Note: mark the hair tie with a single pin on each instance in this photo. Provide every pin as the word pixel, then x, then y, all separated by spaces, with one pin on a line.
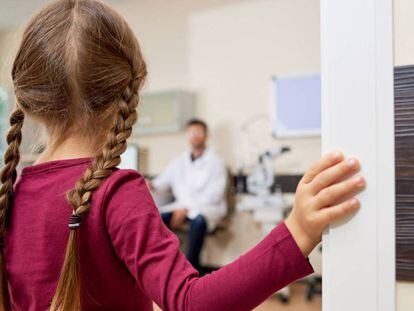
pixel 1 243
pixel 75 221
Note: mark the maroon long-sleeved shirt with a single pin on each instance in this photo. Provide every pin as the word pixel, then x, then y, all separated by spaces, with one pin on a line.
pixel 128 257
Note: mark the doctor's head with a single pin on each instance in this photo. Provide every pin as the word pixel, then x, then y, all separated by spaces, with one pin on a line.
pixel 197 133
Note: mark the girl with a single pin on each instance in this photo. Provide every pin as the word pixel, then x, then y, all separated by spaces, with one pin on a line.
pixel 78 234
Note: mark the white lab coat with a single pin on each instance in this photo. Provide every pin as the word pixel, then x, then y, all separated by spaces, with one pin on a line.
pixel 197 185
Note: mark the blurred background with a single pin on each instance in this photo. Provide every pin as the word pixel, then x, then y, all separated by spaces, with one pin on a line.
pixel 250 69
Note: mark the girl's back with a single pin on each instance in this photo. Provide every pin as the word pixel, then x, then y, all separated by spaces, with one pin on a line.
pixel 38 234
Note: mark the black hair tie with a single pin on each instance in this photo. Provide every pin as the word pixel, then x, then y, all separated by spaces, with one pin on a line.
pixel 1 243
pixel 75 221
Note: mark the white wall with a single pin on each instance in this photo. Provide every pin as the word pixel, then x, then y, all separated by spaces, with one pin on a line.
pixel 404 55
pixel 403 32
pixel 227 51
pixel 233 52
pixel 162 31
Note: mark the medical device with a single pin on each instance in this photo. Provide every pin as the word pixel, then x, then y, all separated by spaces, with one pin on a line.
pixel 261 181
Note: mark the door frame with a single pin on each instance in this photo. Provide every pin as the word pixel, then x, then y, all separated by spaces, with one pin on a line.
pixel 358 118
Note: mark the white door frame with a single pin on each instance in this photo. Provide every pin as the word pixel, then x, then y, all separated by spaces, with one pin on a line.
pixel 358 118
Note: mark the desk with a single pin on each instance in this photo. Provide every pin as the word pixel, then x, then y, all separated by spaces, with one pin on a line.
pixel 267 210
pixel 246 229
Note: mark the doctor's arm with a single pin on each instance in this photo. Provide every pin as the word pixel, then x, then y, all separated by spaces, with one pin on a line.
pixel 163 181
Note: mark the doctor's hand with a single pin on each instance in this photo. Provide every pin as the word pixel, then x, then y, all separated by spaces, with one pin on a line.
pixel 178 218
pixel 324 195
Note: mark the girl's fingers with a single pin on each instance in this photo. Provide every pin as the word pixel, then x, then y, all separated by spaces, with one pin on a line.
pixel 327 161
pixel 334 174
pixel 342 190
pixel 337 212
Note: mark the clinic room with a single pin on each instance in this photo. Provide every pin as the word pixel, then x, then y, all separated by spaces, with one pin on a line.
pixel 207 155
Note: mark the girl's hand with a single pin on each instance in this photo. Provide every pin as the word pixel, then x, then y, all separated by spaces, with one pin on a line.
pixel 324 195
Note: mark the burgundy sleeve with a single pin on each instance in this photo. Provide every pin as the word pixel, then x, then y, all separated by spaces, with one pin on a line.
pixel 151 253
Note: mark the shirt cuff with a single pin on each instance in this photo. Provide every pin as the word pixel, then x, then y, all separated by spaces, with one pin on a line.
pixel 299 265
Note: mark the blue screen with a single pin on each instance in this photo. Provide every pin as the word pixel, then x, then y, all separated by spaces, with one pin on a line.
pixel 298 106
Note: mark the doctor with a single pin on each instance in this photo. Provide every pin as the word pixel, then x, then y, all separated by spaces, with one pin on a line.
pixel 198 180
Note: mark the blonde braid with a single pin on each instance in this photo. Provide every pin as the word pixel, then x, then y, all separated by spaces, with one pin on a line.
pixel 66 296
pixel 8 177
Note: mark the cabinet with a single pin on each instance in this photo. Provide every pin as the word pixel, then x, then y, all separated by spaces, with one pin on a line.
pixel 164 112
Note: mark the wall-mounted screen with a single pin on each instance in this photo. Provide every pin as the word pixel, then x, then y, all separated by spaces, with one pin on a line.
pixel 296 106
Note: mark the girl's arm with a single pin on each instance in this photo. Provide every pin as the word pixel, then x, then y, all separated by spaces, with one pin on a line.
pixel 151 251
